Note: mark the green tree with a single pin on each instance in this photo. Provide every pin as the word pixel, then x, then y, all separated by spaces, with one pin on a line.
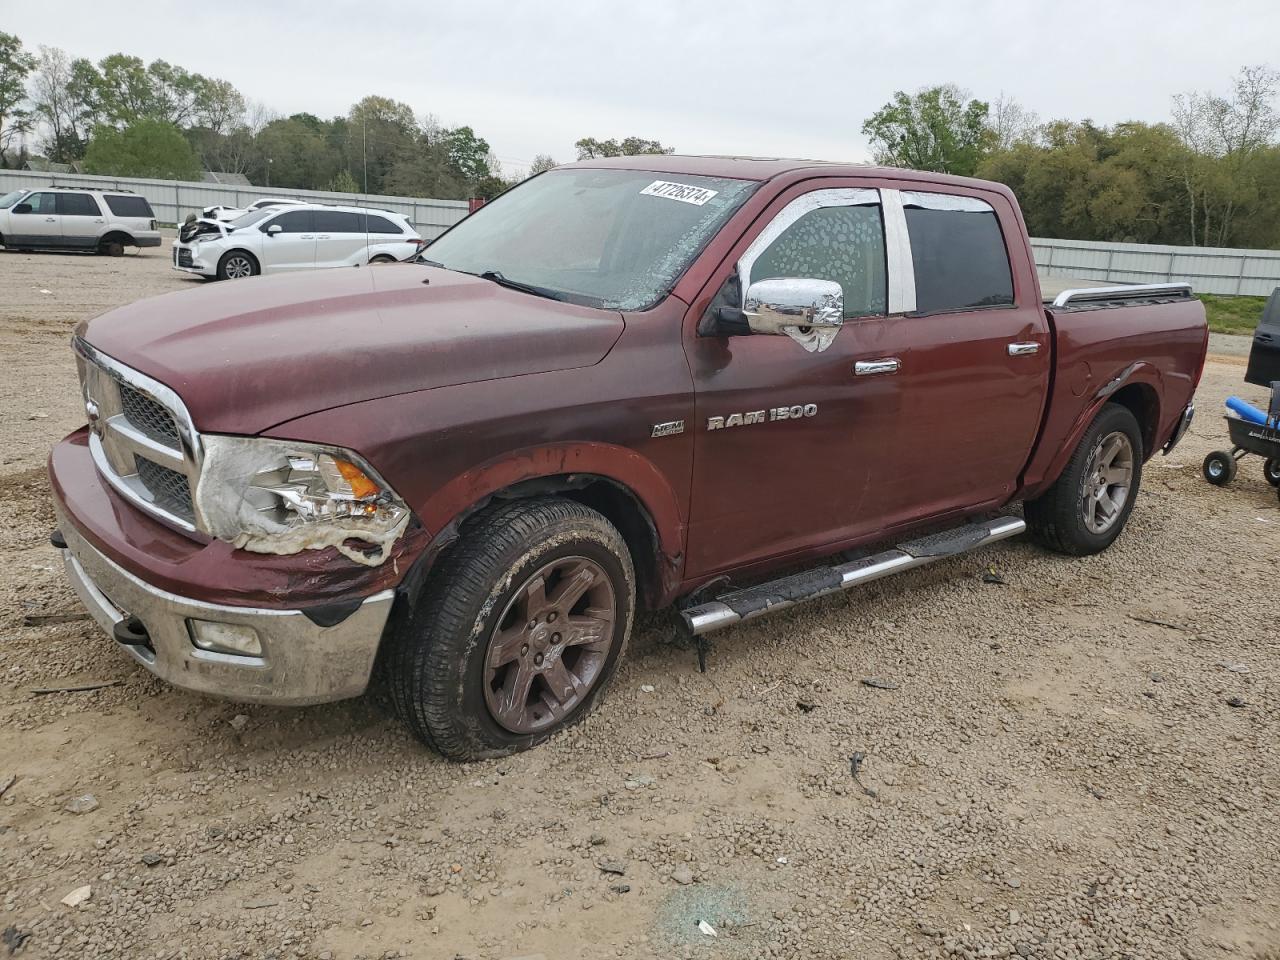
pixel 589 148
pixel 145 148
pixel 343 182
pixel 298 154
pixel 15 65
pixel 938 129
pixel 377 132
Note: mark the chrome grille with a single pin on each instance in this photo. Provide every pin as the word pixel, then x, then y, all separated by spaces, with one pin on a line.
pixel 142 439
pixel 148 416
pixel 168 488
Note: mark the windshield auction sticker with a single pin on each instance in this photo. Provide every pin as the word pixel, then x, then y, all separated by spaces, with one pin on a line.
pixel 679 191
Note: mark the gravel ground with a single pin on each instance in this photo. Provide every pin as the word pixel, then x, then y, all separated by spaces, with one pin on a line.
pixel 1058 770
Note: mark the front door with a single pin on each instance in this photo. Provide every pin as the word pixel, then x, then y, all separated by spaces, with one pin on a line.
pixel 781 461
pixel 41 226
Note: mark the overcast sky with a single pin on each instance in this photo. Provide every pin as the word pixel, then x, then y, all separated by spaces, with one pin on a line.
pixel 784 78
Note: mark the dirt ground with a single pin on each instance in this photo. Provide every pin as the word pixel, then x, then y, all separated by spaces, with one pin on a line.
pixel 1057 770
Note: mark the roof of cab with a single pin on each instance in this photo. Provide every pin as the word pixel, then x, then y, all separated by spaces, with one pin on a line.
pixel 769 168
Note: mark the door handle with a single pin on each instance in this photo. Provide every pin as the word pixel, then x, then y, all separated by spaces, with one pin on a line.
pixel 869 368
pixel 50 219
pixel 322 236
pixel 1023 349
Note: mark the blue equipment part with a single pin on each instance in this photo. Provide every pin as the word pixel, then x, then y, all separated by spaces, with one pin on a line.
pixel 1246 411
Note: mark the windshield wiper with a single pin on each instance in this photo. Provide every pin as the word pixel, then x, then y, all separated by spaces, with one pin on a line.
pixel 497 277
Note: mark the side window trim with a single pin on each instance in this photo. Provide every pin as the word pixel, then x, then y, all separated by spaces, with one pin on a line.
pixel 897 243
pixel 793 211
pixel 933 200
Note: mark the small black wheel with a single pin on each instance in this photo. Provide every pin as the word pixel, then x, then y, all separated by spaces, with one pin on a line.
pixel 1090 502
pixel 1271 470
pixel 237 264
pixel 517 632
pixel 1219 468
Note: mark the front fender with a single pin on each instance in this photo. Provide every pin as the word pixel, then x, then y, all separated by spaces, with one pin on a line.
pixel 636 473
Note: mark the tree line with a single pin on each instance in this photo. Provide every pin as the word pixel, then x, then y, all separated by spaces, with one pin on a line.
pixel 1208 177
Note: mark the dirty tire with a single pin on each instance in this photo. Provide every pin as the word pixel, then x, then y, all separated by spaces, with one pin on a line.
pixel 437 666
pixel 1056 519
pixel 111 248
pixel 236 264
pixel 1219 468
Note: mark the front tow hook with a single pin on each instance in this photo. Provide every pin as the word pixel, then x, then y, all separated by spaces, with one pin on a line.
pixel 131 633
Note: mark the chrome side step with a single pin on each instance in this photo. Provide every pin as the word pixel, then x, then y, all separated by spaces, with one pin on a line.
pixel 752 602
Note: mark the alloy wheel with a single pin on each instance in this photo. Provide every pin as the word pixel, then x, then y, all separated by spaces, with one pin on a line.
pixel 550 645
pixel 1107 482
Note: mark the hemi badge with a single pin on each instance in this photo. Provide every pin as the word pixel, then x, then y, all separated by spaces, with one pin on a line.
pixel 668 429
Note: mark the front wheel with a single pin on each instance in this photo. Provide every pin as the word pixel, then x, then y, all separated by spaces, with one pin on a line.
pixel 236 265
pixel 517 632
pixel 1089 504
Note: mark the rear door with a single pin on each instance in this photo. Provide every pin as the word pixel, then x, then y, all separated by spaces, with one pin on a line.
pixel 293 247
pixel 1264 356
pixel 340 238
pixel 969 358
pixel 82 219
pixel 40 226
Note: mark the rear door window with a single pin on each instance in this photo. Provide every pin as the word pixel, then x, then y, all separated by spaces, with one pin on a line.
pixel 840 243
pixel 78 205
pixel 335 221
pixel 958 251
pixel 129 206
pixel 295 221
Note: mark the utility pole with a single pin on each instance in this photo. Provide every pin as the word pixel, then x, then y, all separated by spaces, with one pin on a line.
pixel 364 151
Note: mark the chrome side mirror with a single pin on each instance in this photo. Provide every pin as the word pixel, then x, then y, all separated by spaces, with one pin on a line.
pixel 808 311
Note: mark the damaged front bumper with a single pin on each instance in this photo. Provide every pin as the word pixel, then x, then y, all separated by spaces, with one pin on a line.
pixel 299 661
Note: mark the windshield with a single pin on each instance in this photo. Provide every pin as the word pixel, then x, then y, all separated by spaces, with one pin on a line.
pixel 617 239
pixel 252 217
pixel 9 199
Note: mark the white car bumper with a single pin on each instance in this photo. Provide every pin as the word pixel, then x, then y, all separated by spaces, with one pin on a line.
pixel 188 258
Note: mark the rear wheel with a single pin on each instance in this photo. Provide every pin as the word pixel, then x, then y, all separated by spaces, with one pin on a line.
pixel 236 265
pixel 1089 504
pixel 1219 468
pixel 1271 470
pixel 517 632
pixel 112 246
pixel 381 260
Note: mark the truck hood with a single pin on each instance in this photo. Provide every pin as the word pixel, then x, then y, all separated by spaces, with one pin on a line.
pixel 245 355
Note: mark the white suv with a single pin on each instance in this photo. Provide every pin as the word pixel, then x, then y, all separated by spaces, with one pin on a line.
pixel 279 240
pixel 63 218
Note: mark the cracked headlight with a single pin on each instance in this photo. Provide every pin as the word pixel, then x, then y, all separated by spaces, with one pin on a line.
pixel 276 496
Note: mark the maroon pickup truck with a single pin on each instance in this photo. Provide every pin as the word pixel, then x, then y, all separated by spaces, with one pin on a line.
pixel 624 383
